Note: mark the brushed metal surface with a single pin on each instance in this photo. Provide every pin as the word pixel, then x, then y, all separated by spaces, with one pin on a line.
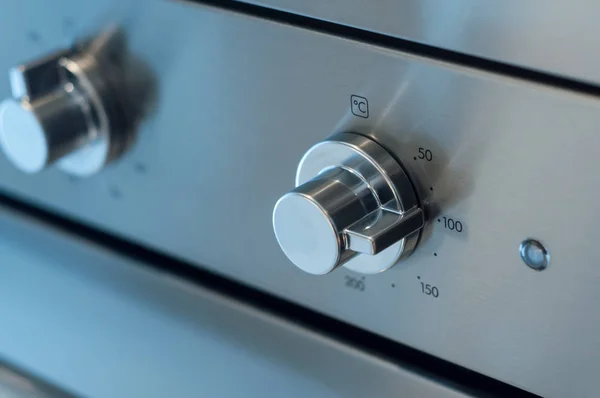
pixel 556 37
pixel 241 99
pixel 105 326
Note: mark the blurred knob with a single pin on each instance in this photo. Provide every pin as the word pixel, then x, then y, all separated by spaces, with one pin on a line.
pixel 62 111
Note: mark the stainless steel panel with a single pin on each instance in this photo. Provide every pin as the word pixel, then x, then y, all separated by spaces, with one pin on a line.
pixel 552 36
pixel 105 326
pixel 241 99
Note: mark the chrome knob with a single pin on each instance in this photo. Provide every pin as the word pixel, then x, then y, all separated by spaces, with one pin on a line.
pixel 353 205
pixel 62 112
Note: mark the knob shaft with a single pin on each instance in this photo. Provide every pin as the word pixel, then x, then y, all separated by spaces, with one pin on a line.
pixel 353 206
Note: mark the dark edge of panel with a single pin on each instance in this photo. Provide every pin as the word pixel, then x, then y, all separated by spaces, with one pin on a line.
pixel 407 46
pixel 436 369
pixel 17 379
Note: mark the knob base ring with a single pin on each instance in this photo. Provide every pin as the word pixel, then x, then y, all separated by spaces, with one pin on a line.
pixel 95 154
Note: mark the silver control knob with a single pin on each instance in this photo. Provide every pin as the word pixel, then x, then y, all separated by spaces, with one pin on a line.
pixel 61 111
pixel 353 206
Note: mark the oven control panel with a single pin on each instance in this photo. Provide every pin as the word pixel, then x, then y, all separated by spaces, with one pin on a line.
pixel 441 206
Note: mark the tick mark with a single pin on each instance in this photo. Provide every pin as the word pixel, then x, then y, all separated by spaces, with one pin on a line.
pixel 431 188
pixel 418 277
pixel 439 220
pixel 435 254
pixel 393 285
pixel 140 168
pixel 115 193
pixel 33 36
pixel 415 158
pixel 68 25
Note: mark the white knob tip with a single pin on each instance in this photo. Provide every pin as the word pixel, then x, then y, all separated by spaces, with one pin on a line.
pixel 22 136
pixel 306 234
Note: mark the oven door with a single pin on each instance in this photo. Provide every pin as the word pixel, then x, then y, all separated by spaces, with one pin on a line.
pixel 98 324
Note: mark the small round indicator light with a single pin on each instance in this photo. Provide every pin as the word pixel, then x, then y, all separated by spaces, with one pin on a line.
pixel 534 254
